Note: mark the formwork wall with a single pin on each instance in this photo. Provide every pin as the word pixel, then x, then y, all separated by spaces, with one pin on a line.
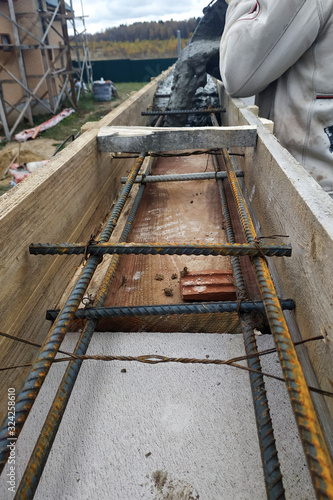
pixel 65 201
pixel 286 200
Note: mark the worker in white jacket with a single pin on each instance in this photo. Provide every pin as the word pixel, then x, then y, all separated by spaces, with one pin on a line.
pixel 283 51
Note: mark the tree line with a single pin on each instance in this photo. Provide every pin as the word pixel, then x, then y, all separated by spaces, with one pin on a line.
pixel 152 30
pixel 141 49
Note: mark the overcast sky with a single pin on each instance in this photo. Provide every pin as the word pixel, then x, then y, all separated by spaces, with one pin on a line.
pixel 104 14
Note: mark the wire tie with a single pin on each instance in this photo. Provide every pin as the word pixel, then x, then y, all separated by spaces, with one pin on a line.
pixel 85 253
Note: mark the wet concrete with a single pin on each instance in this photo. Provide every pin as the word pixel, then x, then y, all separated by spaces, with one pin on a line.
pixel 200 57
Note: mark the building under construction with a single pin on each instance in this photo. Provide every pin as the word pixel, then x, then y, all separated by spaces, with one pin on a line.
pixel 36 59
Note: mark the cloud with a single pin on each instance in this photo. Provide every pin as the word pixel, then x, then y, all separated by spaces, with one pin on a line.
pixel 106 14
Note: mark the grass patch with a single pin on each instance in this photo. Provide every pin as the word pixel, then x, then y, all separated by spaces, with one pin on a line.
pixel 88 111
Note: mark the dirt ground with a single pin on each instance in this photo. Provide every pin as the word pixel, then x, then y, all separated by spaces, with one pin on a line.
pixel 36 150
pixel 43 148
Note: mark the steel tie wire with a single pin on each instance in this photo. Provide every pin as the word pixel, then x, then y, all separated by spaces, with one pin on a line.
pixel 314 445
pixel 35 379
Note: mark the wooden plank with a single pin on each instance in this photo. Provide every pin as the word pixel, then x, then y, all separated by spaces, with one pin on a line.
pixel 65 201
pixel 137 139
pixel 171 212
pixel 286 200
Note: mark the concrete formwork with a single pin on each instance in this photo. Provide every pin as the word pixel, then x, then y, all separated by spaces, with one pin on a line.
pixel 63 201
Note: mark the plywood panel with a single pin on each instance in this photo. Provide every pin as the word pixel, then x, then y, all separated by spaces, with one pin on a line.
pixel 174 212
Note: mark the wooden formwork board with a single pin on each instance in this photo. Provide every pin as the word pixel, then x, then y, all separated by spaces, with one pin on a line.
pixel 136 139
pixel 171 212
pixel 64 201
pixel 285 199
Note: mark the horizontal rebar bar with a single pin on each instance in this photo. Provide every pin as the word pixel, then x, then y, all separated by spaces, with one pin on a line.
pixel 169 309
pixel 182 177
pixel 193 152
pixel 160 249
pixel 157 112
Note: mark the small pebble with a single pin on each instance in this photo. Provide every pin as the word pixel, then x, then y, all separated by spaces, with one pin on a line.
pixel 184 272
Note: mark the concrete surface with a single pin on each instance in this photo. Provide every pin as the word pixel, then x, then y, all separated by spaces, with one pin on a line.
pixel 167 431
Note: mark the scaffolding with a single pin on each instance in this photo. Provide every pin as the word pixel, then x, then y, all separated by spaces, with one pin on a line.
pixel 36 71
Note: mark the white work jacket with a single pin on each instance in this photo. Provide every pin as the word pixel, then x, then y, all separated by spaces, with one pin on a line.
pixel 283 51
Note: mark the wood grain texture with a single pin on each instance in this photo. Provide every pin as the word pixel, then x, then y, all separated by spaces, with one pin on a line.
pixel 137 139
pixel 287 200
pixel 179 212
pixel 64 201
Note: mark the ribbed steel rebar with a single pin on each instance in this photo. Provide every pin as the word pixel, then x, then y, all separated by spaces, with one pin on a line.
pixel 182 177
pixel 50 428
pixel 35 379
pixel 161 112
pixel 170 309
pixel 316 452
pixel 160 249
pixel 269 454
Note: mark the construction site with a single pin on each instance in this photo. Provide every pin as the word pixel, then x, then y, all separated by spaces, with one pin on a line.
pixel 166 308
pixel 36 63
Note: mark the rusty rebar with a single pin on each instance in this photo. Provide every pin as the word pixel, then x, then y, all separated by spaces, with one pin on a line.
pixel 314 445
pixel 36 377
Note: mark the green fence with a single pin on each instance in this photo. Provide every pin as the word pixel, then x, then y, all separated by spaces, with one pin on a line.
pixel 129 70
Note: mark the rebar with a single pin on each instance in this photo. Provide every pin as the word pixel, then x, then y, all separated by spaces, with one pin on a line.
pixel 162 112
pixel 315 448
pixel 35 379
pixel 269 454
pixel 169 309
pixel 182 177
pixel 160 249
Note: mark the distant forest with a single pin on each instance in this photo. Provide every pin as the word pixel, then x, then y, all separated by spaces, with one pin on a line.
pixel 147 40
pixel 152 30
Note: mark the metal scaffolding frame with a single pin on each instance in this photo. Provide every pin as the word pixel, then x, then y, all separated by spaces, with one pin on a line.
pixel 59 81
